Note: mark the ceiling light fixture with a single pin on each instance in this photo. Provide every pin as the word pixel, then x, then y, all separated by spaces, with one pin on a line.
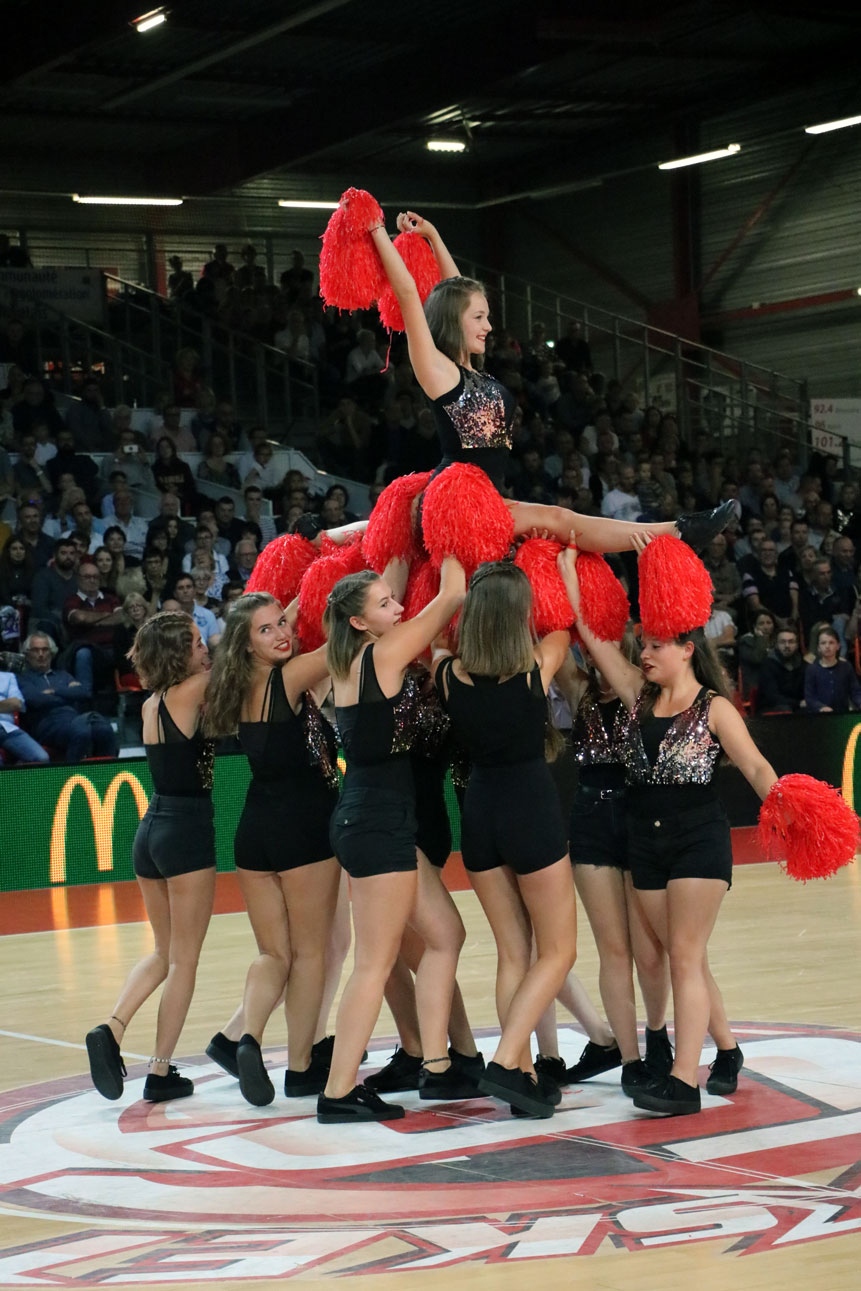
pixel 445 145
pixel 729 151
pixel 147 21
pixel 126 201
pixel 308 206
pixel 828 126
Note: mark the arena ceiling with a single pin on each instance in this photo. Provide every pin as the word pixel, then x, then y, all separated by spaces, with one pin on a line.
pixel 232 96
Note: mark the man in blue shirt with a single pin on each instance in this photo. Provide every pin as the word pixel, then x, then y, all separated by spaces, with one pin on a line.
pixel 12 739
pixel 51 696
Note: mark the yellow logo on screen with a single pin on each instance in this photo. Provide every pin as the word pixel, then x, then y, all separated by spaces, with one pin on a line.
pixel 102 815
pixel 849 765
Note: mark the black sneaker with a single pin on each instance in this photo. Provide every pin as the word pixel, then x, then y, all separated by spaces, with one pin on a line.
pixel 400 1073
pixel 254 1083
pixel 160 1089
pixel 669 1095
pixel 449 1085
pixel 322 1051
pixel 471 1066
pixel 636 1075
pixel 697 528
pixel 553 1069
pixel 361 1104
pixel 223 1052
pixel 723 1073
pixel 659 1052
pixel 106 1064
pixel 300 1084
pixel 515 1087
pixel 594 1060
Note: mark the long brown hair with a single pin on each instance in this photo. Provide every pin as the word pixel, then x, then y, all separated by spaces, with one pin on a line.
pixel 233 666
pixel 346 599
pixel 707 667
pixel 444 310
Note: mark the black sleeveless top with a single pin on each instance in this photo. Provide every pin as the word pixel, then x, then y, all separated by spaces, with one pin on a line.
pixel 597 735
pixel 500 722
pixel 474 423
pixel 284 744
pixel 181 767
pixel 671 761
pixel 376 733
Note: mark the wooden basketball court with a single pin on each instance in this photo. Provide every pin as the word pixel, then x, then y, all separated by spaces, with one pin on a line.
pixel 757 1190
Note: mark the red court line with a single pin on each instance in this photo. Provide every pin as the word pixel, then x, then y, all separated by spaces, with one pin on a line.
pixel 93 905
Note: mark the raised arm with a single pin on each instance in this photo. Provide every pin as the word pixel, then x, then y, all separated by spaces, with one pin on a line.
pixel 409 222
pixel 626 680
pixel 550 655
pixel 304 672
pixel 435 373
pixel 395 651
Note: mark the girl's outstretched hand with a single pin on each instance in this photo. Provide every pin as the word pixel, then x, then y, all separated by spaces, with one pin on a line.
pixel 640 542
pixel 410 222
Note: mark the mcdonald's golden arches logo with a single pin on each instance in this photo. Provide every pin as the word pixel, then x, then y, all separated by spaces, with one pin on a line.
pixel 848 784
pixel 102 815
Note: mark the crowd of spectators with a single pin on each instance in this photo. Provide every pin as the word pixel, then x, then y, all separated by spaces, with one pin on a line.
pixel 81 568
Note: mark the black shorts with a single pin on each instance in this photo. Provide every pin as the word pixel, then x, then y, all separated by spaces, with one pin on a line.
pixel 176 836
pixel 433 830
pixel 512 816
pixel 691 843
pixel 285 826
pixel 373 831
pixel 598 831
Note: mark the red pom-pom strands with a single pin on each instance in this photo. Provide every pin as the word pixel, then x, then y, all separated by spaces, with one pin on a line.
pixel 317 583
pixel 551 609
pixel 280 566
pixel 422 587
pixel 417 255
pixel 604 606
pixel 351 272
pixel 464 516
pixel 675 589
pixel 392 529
pixel 807 826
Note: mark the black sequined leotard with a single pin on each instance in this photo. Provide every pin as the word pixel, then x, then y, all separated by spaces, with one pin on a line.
pixel 671 760
pixel 474 423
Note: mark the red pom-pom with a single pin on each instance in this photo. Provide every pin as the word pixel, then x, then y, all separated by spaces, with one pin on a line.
pixel 464 516
pixel 422 263
pixel 350 551
pixel 391 531
pixel 604 606
pixel 280 566
pixel 551 609
pixel 317 583
pixel 351 271
pixel 422 587
pixel 675 589
pixel 808 826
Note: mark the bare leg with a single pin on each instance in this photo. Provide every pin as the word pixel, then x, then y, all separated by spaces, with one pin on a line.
pixel 190 897
pixel 593 533
pixel 267 974
pixel 406 1017
pixel 337 949
pixel 381 904
pixel 719 1027
pixel 650 957
pixel 508 917
pixel 601 888
pixel 310 895
pixel 149 973
pixel 436 920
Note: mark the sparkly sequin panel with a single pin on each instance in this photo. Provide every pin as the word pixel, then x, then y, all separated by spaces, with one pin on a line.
pixel 431 723
pixel 206 763
pixel 405 714
pixel 688 751
pixel 479 414
pixel 320 741
pixel 593 746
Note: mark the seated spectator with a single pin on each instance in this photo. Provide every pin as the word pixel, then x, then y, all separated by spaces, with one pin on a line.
pixel 746 549
pixel 843 566
pixel 204 557
pixel 215 467
pixel 786 480
pixel 79 465
pixel 52 586
pixel 600 437
pixel 721 631
pixel 89 420
pixel 28 475
pixel 104 563
pixel 623 502
pixel 53 717
pixel 158 576
pixel 753 649
pixel 265 524
pixel 40 546
pixel 136 610
pixel 781 676
pixel 172 428
pixel 821 601
pixel 173 475
pixel 227 525
pixel 725 577
pixel 17 574
pixel 831 684
pixel 259 467
pixel 35 406
pixel 46 446
pixel 90 616
pixel 204 618
pixel 822 525
pixel 134 527
pixel 847 505
pixel 300 339
pixel 130 460
pixel 572 348
pixel 364 368
pixel 344 440
pixel 86 524
pixel 170 508
pixel 13 741
pixel 187 383
pixel 766 586
pixel 245 556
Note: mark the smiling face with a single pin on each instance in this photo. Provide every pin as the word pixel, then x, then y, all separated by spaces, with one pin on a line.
pixel 270 637
pixel 475 324
pixel 380 612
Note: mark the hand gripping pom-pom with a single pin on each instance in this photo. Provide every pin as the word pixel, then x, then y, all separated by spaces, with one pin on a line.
pixel 675 589
pixel 808 826
pixel 351 271
pixel 392 530
pixel 317 583
pixel 551 608
pixel 280 566
pixel 420 260
pixel 604 606
pixel 464 516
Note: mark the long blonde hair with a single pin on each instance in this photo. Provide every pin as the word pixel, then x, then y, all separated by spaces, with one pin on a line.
pixel 343 641
pixel 495 634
